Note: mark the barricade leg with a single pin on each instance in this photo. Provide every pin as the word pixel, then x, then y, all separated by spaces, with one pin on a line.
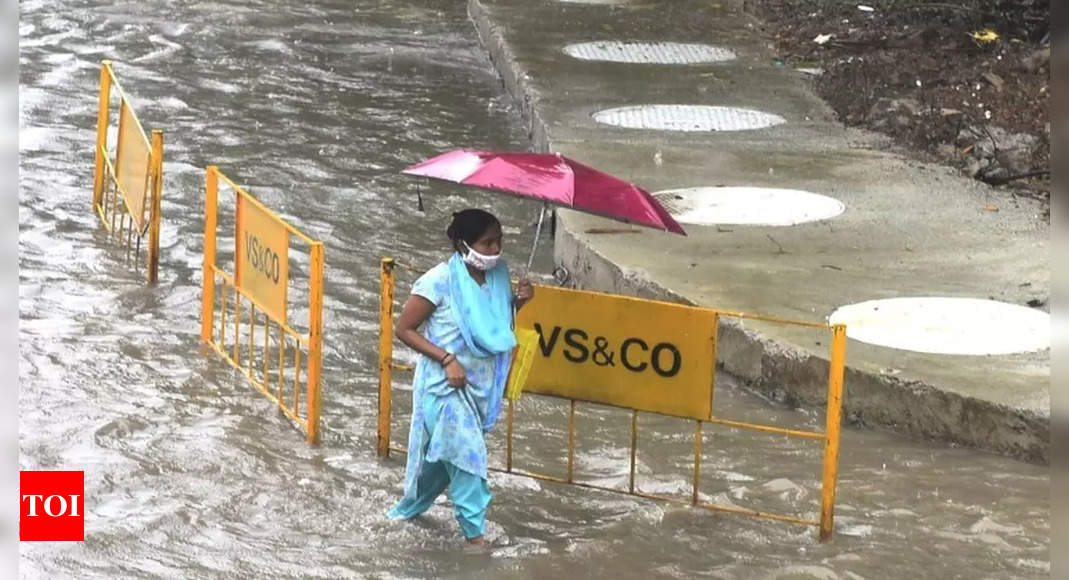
pixel 831 431
pixel 154 219
pixel 207 307
pixel 315 341
pixel 697 461
pixel 99 178
pixel 385 356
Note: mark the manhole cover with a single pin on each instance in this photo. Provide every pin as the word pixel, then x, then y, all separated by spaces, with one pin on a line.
pixel 747 205
pixel 649 52
pixel 687 118
pixel 944 325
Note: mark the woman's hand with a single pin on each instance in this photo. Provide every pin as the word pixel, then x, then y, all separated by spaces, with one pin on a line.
pixel 454 373
pixel 524 292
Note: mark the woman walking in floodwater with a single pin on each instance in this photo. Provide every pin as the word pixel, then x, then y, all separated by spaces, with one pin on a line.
pixel 468 305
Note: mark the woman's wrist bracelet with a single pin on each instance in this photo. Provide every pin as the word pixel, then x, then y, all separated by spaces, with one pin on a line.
pixel 445 359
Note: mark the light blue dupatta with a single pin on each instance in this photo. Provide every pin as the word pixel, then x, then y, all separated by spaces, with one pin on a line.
pixel 484 316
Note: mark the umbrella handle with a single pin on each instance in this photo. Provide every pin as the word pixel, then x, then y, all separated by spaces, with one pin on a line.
pixel 538 233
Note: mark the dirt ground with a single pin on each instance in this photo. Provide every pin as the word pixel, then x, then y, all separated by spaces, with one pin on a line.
pixel 966 82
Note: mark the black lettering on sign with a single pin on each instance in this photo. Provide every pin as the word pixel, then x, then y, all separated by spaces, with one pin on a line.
pixel 655 358
pixel 623 354
pixel 547 348
pixel 569 338
pixel 603 357
pixel 665 358
pixel 262 258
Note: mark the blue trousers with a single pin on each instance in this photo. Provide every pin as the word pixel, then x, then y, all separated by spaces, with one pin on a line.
pixel 470 495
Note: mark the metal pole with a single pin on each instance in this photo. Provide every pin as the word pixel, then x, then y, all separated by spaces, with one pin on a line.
pixel 385 356
pixel 267 349
pixel 118 165
pixel 634 445
pixel 102 133
pixel 237 326
pixel 831 430
pixel 239 223
pixel 716 348
pixel 211 190
pixel 154 223
pixel 252 338
pixel 222 313
pixel 315 341
pixel 571 441
pixel 297 381
pixel 697 461
pixel 538 234
pixel 281 362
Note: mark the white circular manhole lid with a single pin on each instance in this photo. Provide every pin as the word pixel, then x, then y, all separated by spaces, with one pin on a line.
pixel 747 206
pixel 687 118
pixel 648 52
pixel 944 325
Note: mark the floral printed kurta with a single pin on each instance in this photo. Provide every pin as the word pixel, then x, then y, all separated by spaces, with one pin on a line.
pixel 448 424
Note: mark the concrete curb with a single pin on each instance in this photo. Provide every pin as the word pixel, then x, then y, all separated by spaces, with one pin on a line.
pixel 781 370
pixel 521 91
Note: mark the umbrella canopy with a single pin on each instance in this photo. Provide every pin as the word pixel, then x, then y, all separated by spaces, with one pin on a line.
pixel 551 178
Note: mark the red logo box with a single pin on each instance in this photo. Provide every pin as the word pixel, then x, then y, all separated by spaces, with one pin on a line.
pixel 52 506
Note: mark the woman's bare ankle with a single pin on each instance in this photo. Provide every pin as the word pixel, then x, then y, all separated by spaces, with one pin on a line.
pixel 477 541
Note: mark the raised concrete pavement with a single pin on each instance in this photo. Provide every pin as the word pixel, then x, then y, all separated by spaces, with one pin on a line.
pixel 909 229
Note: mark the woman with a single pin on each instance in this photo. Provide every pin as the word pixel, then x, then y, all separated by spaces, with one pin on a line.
pixel 467 347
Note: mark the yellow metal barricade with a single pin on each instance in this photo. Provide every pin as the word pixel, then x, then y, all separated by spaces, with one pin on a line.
pixel 256 296
pixel 128 182
pixel 664 362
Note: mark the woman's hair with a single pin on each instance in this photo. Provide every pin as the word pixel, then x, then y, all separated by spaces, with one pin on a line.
pixel 469 225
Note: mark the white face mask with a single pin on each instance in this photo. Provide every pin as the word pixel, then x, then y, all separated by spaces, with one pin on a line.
pixel 477 260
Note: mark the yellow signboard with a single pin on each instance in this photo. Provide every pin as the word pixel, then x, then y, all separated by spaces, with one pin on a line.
pixel 638 354
pixel 262 257
pixel 132 163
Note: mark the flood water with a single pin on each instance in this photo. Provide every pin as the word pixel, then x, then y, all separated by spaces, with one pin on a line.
pixel 191 473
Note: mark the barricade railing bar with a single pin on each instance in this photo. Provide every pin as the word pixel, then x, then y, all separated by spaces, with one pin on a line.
pixel 284 363
pixel 130 183
pixel 830 436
